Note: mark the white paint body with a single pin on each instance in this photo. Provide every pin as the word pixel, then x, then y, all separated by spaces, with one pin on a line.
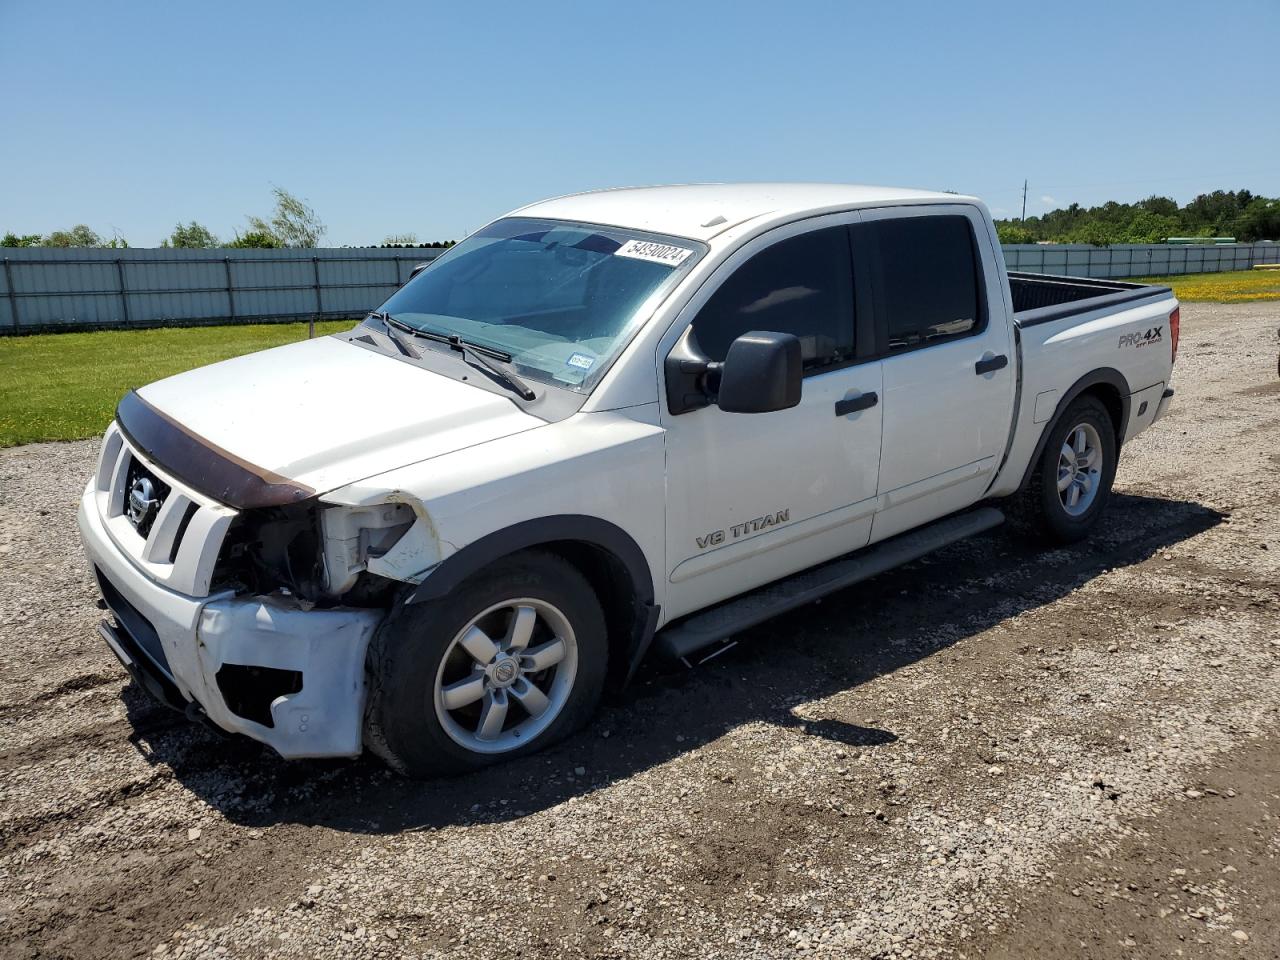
pixel 364 428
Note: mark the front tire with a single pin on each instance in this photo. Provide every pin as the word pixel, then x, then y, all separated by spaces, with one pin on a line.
pixel 1071 484
pixel 508 663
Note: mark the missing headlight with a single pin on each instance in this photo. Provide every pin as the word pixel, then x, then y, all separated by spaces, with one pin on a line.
pixel 272 548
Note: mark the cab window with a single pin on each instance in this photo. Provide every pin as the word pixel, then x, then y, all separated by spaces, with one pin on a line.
pixel 928 285
pixel 802 285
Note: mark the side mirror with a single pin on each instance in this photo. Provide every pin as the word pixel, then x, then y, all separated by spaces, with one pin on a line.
pixel 761 373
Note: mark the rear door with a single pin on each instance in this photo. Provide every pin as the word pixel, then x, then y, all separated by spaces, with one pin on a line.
pixel 949 376
pixel 754 497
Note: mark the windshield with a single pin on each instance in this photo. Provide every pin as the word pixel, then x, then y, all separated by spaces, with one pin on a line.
pixel 562 299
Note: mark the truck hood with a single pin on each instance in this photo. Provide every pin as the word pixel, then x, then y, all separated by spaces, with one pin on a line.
pixel 324 413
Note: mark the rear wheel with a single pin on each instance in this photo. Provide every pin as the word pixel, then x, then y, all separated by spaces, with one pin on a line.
pixel 510 662
pixel 1071 484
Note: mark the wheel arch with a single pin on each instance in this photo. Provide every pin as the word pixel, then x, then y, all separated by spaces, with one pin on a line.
pixel 1110 387
pixel 606 555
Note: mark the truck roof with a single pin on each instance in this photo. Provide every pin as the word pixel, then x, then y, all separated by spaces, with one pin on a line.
pixel 702 210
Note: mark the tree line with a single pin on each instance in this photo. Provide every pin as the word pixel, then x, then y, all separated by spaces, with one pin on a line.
pixel 292 223
pixel 1240 214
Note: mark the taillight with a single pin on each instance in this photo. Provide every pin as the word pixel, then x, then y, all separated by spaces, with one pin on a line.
pixel 1175 321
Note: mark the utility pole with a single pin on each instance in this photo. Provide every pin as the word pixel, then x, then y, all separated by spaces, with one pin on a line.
pixel 1024 202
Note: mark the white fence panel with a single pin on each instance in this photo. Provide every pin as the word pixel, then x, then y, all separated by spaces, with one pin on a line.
pixel 1137 259
pixel 61 289
pixel 47 289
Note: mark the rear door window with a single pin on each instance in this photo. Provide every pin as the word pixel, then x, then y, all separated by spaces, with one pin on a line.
pixel 929 283
pixel 802 285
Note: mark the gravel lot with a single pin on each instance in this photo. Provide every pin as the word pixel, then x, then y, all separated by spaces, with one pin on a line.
pixel 995 752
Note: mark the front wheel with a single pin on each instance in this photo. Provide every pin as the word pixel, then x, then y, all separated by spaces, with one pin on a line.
pixel 1071 484
pixel 510 662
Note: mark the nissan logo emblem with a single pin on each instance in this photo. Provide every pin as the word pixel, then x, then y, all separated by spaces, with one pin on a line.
pixel 142 501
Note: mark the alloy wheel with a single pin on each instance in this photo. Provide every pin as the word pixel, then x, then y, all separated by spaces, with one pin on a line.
pixel 1080 469
pixel 506 675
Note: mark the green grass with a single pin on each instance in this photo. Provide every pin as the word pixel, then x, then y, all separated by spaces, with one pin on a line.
pixel 1237 286
pixel 65 386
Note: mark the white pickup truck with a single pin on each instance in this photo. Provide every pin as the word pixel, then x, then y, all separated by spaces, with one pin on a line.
pixel 605 424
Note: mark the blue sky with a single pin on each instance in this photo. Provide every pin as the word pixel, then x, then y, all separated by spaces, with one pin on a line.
pixel 434 118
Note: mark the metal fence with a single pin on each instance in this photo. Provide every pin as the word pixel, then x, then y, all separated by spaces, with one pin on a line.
pixel 1137 259
pixel 43 289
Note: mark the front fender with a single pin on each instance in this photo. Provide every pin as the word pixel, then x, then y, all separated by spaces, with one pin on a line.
pixel 475 556
pixel 634 617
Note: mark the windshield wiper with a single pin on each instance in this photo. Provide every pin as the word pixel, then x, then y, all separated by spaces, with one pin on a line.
pixel 465 347
pixel 478 353
pixel 389 328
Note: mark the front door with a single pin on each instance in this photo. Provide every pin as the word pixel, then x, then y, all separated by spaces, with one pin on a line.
pixel 754 497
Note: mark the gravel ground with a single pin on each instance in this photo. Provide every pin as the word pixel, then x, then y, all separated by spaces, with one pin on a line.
pixel 994 752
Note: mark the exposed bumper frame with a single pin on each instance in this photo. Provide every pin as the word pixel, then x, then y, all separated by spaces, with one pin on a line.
pixel 194 637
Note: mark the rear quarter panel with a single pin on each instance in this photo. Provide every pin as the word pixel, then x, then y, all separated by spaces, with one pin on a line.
pixel 1135 342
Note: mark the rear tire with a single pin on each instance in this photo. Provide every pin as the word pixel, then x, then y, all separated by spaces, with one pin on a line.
pixel 511 661
pixel 1070 485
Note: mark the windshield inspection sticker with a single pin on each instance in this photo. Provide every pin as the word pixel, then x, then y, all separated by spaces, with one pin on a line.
pixel 581 361
pixel 667 253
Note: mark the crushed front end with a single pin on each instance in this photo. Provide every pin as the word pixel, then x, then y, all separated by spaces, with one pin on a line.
pixel 254 617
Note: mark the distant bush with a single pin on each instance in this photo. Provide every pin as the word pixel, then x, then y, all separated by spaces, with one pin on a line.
pixel 78 236
pixel 255 239
pixel 1097 234
pixel 1261 220
pixel 1150 227
pixel 293 223
pixel 1010 233
pixel 433 245
pixel 192 236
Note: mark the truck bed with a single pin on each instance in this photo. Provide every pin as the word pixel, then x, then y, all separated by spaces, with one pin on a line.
pixel 1042 298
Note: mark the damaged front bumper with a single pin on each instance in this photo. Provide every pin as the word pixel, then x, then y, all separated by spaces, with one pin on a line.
pixel 290 677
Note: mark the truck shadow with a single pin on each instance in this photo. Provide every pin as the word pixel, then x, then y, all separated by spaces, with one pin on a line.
pixel 835 645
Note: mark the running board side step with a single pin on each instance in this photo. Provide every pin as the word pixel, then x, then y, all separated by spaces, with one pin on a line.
pixel 718 623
